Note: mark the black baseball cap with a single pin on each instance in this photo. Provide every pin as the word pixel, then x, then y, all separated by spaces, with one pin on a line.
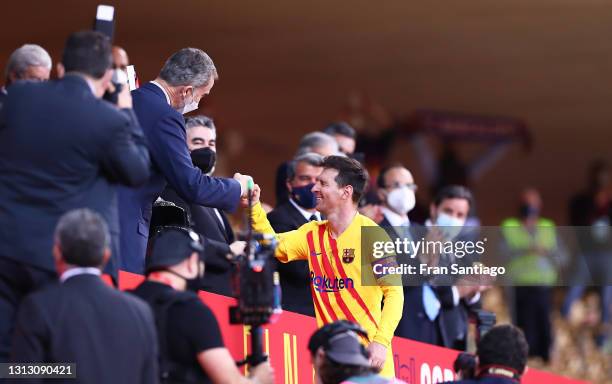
pixel 340 341
pixel 171 245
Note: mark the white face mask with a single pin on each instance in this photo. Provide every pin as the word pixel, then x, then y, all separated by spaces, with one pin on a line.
pixel 188 107
pixel 401 200
pixel 449 225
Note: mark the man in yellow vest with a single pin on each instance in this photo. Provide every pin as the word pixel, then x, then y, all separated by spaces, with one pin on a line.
pixel 533 252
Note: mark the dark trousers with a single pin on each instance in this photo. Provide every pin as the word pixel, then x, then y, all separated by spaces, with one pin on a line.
pixel 16 281
pixel 533 308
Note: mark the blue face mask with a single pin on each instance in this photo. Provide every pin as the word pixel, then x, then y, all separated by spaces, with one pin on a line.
pixel 449 225
pixel 304 197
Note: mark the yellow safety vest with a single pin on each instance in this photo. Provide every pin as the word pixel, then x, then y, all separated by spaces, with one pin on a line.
pixel 530 268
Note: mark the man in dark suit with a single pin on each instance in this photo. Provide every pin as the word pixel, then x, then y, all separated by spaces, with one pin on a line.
pixel 211 223
pixel 28 62
pixel 61 148
pixel 187 76
pixel 108 334
pixel 434 313
pixel 302 174
pixel 456 298
pixel 396 191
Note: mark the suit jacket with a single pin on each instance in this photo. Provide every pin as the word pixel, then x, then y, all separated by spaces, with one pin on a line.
pixel 294 276
pixel 449 329
pixel 61 148
pixel 164 129
pixel 217 237
pixel 109 334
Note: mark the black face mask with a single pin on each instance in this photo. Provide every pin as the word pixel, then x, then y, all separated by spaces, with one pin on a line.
pixel 197 283
pixel 204 158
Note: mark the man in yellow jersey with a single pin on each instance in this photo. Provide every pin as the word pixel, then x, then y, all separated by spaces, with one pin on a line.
pixel 333 250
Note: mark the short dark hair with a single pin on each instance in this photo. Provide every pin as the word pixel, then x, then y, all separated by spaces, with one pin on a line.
pixel 310 158
pixel 504 345
pixel 350 172
pixel 88 52
pixel 82 236
pixel 454 192
pixel 340 128
pixel 380 179
pixel 199 121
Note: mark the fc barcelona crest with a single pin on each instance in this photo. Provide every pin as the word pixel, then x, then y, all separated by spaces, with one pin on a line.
pixel 348 255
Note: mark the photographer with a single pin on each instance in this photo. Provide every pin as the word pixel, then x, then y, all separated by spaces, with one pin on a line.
pixel 339 357
pixel 61 148
pixel 191 346
pixel 501 356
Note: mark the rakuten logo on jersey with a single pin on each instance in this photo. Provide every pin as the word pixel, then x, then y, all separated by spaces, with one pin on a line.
pixel 325 284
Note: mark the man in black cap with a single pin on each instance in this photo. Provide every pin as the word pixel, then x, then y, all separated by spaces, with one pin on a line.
pixel 338 356
pixel 191 347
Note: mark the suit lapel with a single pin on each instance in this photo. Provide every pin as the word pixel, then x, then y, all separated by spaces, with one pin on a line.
pixel 212 216
pixel 229 232
pixel 296 216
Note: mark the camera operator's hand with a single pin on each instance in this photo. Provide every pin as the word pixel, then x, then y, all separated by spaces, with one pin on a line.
pixel 237 248
pixel 262 374
pixel 378 355
pixel 244 182
pixel 124 99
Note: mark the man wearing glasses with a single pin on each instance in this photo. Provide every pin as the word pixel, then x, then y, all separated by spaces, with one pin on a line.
pixel 396 190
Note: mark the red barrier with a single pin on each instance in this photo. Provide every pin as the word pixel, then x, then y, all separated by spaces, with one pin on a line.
pixel 286 343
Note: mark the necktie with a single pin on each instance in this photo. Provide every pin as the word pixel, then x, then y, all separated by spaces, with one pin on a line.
pixel 430 303
pixel 313 218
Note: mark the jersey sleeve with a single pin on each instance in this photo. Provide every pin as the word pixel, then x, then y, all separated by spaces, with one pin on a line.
pixel 291 246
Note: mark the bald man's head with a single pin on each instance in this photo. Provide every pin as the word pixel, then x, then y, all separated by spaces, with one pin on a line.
pixel 120 58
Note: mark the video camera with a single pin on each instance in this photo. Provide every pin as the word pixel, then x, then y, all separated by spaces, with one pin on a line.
pixel 256 283
pixel 484 321
pixel 256 287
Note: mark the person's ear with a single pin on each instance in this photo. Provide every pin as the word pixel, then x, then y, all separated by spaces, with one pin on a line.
pixel 382 194
pixel 320 355
pixel 105 256
pixel 192 265
pixel 188 90
pixel 348 192
pixel 12 76
pixel 288 184
pixel 58 259
pixel 432 211
pixel 60 70
pixel 105 81
pixel 57 253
